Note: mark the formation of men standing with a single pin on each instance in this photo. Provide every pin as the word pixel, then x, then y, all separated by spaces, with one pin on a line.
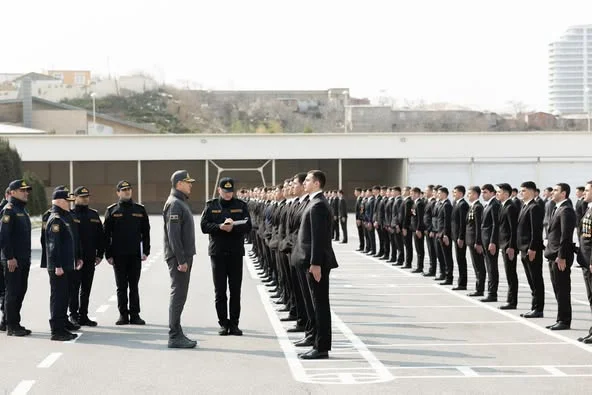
pixel 509 223
pixel 293 226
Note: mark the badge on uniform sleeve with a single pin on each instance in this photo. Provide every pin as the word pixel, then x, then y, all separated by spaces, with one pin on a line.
pixel 174 218
pixel 55 228
pixel 6 218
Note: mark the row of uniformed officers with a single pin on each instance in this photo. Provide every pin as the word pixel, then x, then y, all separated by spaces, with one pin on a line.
pixel 74 241
pixel 509 222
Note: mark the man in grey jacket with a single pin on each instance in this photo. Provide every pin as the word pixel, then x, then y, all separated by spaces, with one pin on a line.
pixel 179 249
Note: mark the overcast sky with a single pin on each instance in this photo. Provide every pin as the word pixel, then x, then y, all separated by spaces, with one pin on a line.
pixel 470 52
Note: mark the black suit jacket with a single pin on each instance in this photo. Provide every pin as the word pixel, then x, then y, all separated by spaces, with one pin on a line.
pixel 517 203
pixel 417 216
pixel 549 206
pixel 474 220
pixel 428 214
pixel 445 219
pixel 313 246
pixel 342 208
pixel 490 224
pixel 581 208
pixel 397 212
pixel 508 221
pixel 359 210
pixel 529 230
pixel 388 212
pixel 406 214
pixel 459 219
pixel 560 232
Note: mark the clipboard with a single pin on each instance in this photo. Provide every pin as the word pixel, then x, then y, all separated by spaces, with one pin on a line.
pixel 240 222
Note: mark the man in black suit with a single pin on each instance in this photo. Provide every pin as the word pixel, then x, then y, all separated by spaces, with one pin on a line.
pixel 459 227
pixel 490 238
pixel 390 254
pixel 444 234
pixel 473 239
pixel 516 200
pixel 384 249
pixel 406 215
pixel 418 228
pixel 342 215
pixel 560 253
pixel 508 220
pixel 396 225
pixel 529 240
pixel 581 207
pixel 369 217
pixel 585 252
pixel 314 254
pixel 429 229
pixel 334 201
pixel 359 217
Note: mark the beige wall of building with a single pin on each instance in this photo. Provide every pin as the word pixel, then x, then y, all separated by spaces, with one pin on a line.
pixel 60 121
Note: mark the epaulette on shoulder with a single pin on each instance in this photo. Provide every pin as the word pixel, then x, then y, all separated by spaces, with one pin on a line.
pixel 8 206
pixel 93 210
pixel 111 206
pixel 210 201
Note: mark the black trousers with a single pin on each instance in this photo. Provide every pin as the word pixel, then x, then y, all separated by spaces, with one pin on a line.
pixel 393 243
pixel 441 259
pixel 16 289
pixel 2 293
pixel 343 223
pixel 492 271
pixel 461 262
pixel 419 250
pixel 179 289
pixel 300 308
pixel 408 241
pixel 227 270
pixel 386 239
pixel 285 283
pixel 588 282
pixel 431 242
pixel 311 324
pixel 372 238
pixel 479 268
pixel 448 270
pixel 534 276
pixel 127 275
pixel 561 281
pixel 336 229
pixel 400 247
pixel 80 286
pixel 512 277
pixel 322 309
pixel 361 237
pixel 58 300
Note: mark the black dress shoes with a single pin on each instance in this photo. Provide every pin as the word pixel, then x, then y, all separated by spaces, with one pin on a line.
pixel 559 326
pixel 314 354
pixel 476 293
pixel 288 318
pixel 306 342
pixel 429 274
pixel 460 288
pixel 489 298
pixel 508 306
pixel 533 314
pixel 417 270
pixel 295 329
pixel 447 282
pixel 440 278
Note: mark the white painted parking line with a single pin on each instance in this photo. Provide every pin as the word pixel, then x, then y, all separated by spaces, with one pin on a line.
pixel 467 371
pixel 374 306
pixel 434 323
pixel 465 344
pixel 524 321
pixel 407 294
pixel 554 371
pixel 23 387
pixel 436 367
pixel 251 268
pixel 49 360
pixel 113 298
pixel 102 308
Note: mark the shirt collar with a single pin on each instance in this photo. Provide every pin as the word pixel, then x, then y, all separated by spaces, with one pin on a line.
pixel 312 195
pixel 560 203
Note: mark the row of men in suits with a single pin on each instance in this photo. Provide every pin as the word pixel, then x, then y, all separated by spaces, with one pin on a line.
pixel 508 223
pixel 293 227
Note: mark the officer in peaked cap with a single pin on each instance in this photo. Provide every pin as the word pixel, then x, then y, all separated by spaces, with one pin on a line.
pixel 226 250
pixel 90 235
pixel 127 244
pixel 61 244
pixel 15 233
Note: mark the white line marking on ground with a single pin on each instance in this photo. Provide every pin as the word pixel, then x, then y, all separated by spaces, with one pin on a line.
pixel 49 360
pixel 554 371
pixel 384 263
pixel 519 319
pixel 465 344
pixel 102 308
pixel 407 307
pixel 23 387
pixel 467 371
pixel 251 268
pixel 434 323
pixel 490 376
pixel 113 298
pixel 489 367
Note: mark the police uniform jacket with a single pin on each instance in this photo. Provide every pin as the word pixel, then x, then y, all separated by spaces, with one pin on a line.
pixel 126 226
pixel 15 231
pixel 179 228
pixel 90 232
pixel 60 240
pixel 222 242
